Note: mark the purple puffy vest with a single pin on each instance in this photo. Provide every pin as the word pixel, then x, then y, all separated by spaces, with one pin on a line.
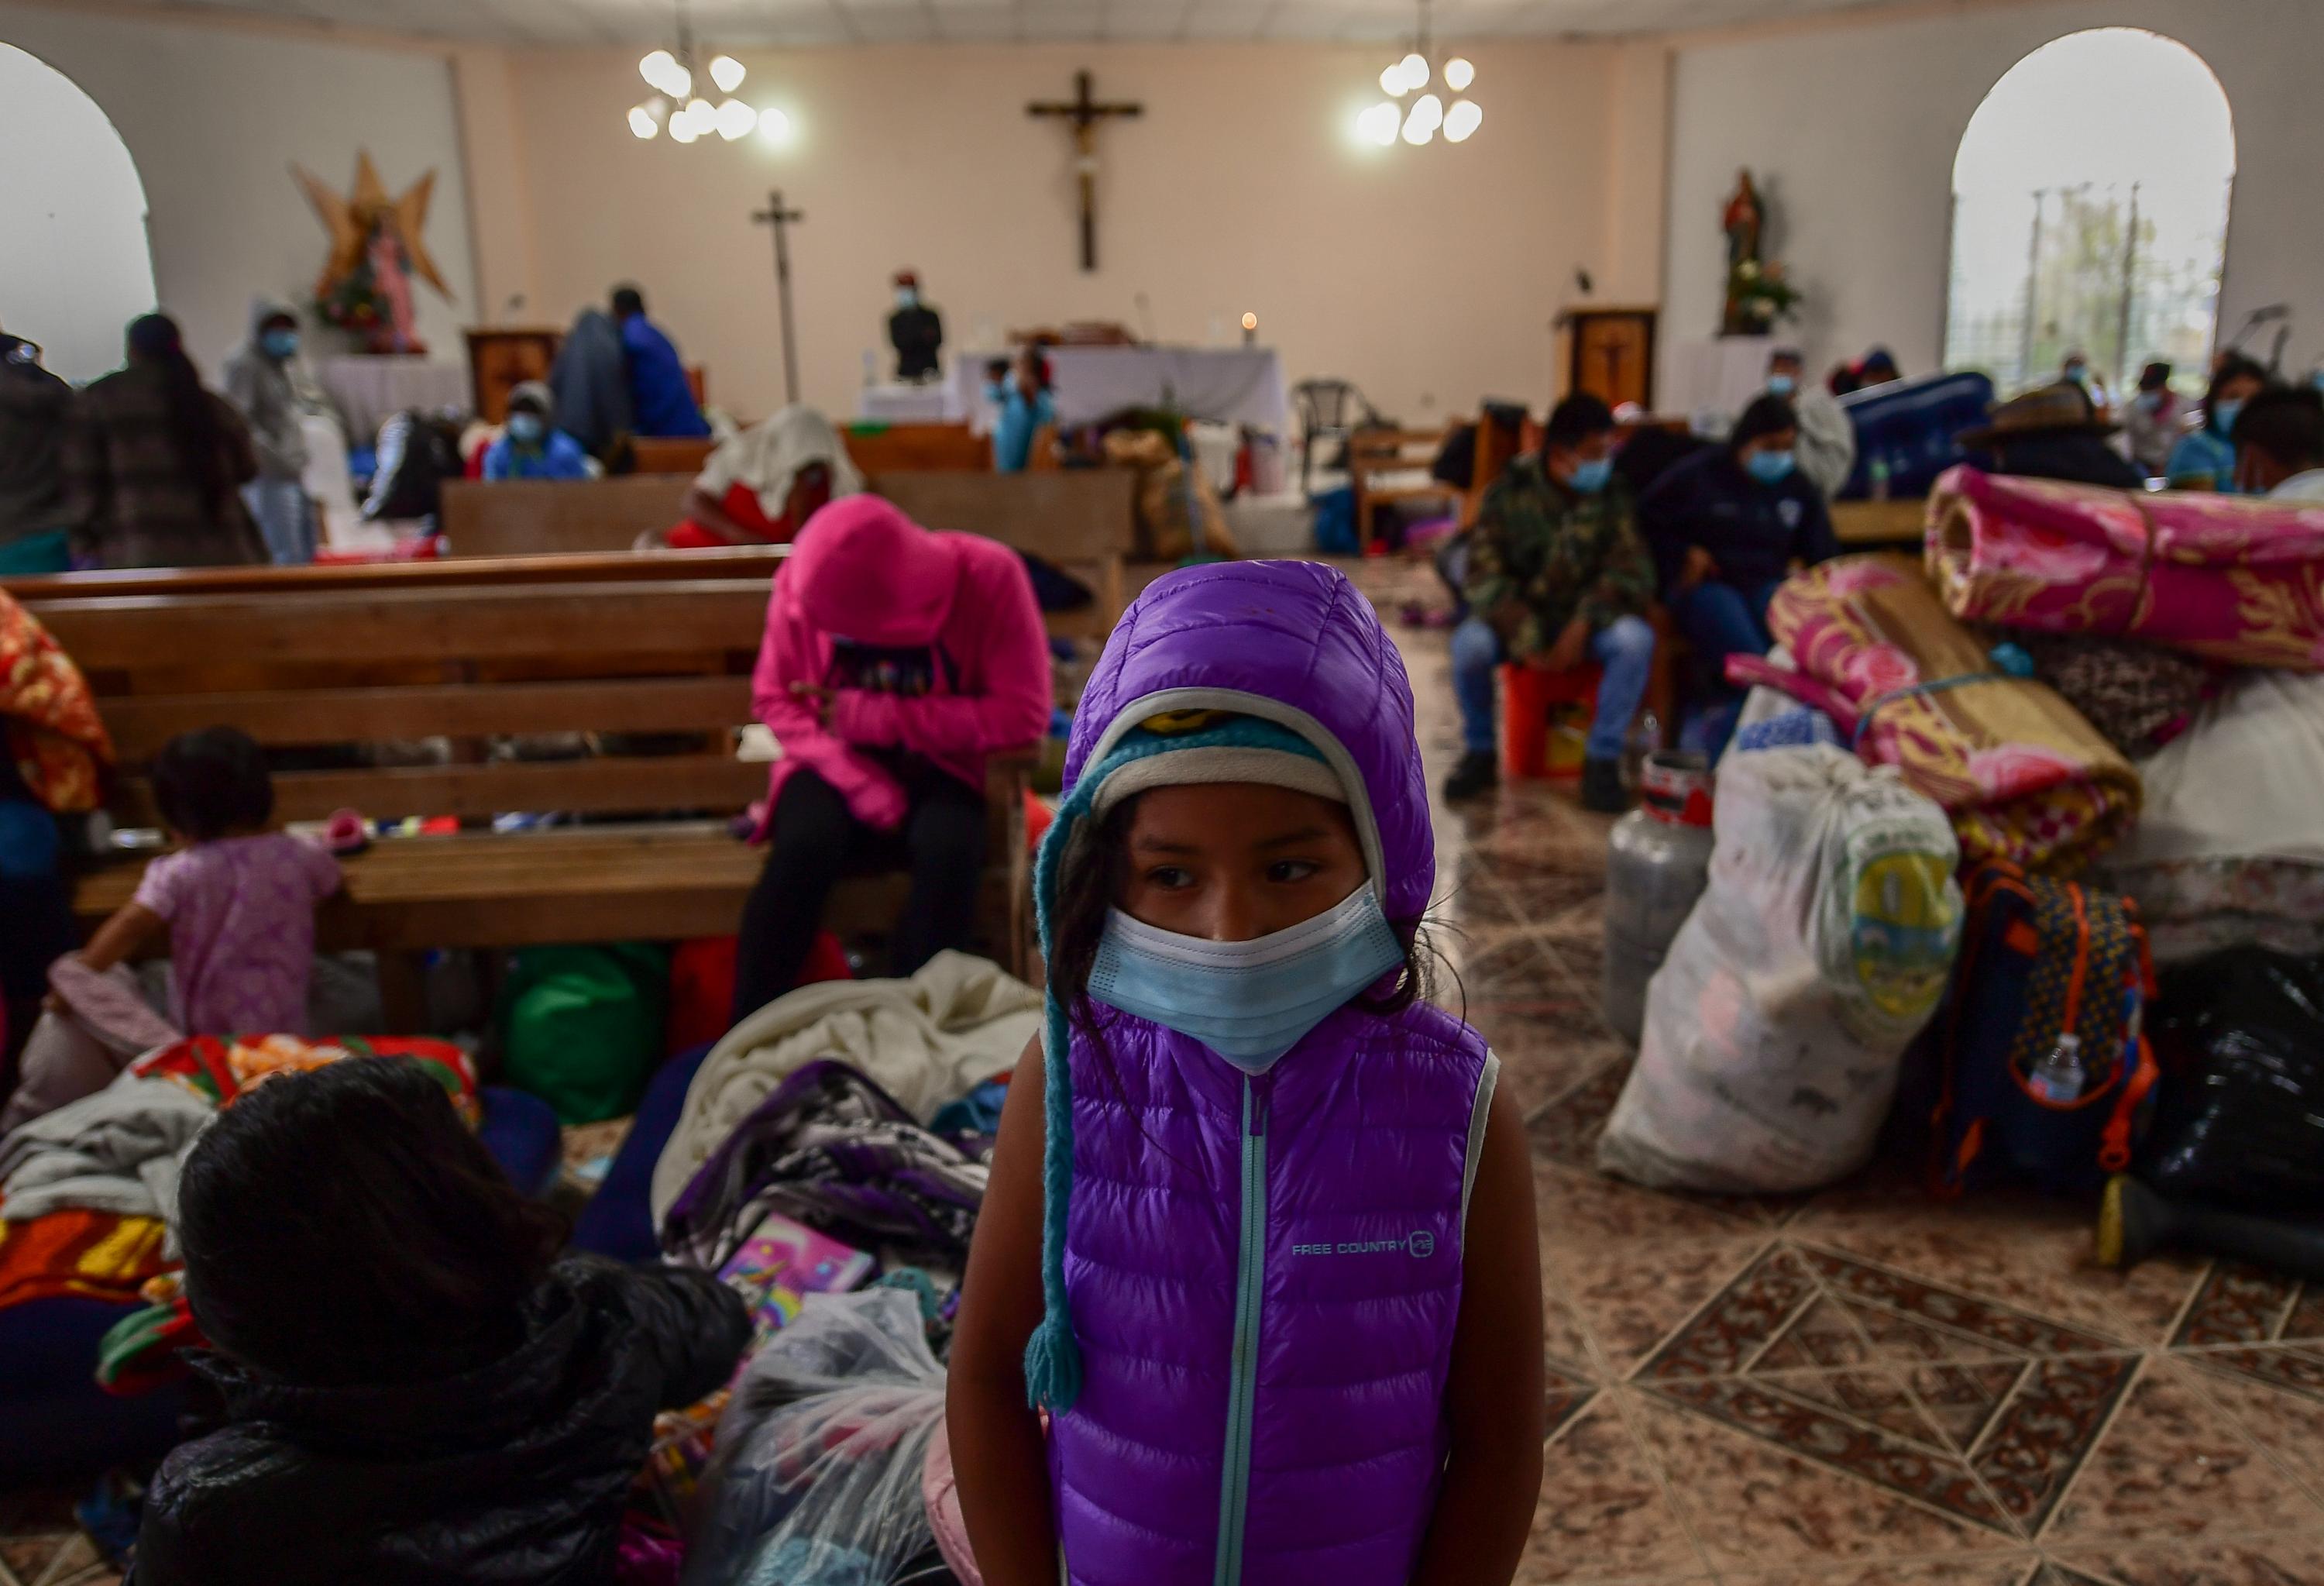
pixel 1264 1275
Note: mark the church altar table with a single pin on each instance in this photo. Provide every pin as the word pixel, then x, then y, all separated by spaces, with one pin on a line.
pixel 1228 385
pixel 1718 376
pixel 932 403
pixel 367 388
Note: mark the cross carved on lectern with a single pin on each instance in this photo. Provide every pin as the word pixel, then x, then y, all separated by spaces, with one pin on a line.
pixel 1085 113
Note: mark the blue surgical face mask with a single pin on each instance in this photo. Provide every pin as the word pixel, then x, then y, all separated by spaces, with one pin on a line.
pixel 527 429
pixel 1589 478
pixel 1782 385
pixel 2223 414
pixel 1771 467
pixel 2078 374
pixel 907 297
pixel 279 344
pixel 1249 1001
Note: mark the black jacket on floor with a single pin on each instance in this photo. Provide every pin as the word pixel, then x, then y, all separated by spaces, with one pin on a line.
pixel 513 1473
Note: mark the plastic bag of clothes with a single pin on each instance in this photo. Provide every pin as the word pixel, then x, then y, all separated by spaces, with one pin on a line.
pixel 816 1480
pixel 2241 1123
pixel 1776 1026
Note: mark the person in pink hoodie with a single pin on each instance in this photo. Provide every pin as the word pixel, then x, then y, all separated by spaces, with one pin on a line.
pixel 896 660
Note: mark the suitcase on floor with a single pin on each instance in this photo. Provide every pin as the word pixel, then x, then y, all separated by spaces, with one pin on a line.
pixel 1908 426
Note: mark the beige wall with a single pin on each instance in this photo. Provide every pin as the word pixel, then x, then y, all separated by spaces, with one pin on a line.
pixel 1429 276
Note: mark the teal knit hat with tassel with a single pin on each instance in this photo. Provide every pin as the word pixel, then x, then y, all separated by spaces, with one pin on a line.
pixel 1203 746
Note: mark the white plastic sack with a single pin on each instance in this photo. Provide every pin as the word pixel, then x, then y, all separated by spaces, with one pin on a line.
pixel 1777 1022
pixel 816 1478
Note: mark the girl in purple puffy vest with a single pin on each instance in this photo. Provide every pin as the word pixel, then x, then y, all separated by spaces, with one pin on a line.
pixel 1259 1239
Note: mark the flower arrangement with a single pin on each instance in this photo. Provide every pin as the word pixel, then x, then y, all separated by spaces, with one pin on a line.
pixel 1758 297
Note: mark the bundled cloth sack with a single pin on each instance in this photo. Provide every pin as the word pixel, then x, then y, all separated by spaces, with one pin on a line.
pixel 1776 1026
pixel 816 1480
pixel 955 1023
pixel 1178 511
pixel 2230 849
pixel 581 1027
pixel 2230 577
pixel 2023 776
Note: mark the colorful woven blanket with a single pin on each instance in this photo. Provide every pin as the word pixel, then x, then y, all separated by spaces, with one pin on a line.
pixel 219 1068
pixel 2230 577
pixel 54 734
pixel 2024 777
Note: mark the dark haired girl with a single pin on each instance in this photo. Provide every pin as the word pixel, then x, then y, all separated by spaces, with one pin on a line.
pixel 415 1389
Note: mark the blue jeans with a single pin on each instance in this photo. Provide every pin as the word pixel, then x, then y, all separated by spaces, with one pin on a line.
pixel 286 519
pixel 1625 648
pixel 1720 619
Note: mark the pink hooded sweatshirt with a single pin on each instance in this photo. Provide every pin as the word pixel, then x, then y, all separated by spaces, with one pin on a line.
pixel 864 571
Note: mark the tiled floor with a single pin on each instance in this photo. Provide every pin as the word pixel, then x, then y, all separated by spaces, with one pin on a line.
pixel 1862 1387
pixel 1858 1389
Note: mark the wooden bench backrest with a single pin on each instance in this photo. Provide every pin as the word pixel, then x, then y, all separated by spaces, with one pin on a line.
pixel 328 669
pixel 516 517
pixel 671 454
pixel 739 561
pixel 1071 515
pixel 897 448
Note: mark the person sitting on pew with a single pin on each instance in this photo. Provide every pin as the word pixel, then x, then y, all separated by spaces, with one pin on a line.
pixel 1557 576
pixel 762 485
pixel 1726 529
pixel 896 661
pixel 2280 445
pixel 661 399
pixel 1827 435
pixel 155 463
pixel 2052 433
pixel 531 446
pixel 2206 459
pixel 1027 406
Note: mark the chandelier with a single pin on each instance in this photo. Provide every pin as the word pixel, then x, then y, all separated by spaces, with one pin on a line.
pixel 687 113
pixel 1425 117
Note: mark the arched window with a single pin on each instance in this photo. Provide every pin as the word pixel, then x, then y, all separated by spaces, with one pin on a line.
pixel 75 264
pixel 2090 213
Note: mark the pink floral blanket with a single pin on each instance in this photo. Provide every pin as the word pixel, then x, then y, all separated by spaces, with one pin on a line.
pixel 2235 580
pixel 2023 776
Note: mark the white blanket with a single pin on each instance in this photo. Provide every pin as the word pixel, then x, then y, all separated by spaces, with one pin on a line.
pixel 115 1151
pixel 925 1041
pixel 2242 782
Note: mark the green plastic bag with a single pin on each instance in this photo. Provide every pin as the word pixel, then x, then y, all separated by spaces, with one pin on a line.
pixel 581 1027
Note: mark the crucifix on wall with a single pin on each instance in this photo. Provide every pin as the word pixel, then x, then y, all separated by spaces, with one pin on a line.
pixel 1085 115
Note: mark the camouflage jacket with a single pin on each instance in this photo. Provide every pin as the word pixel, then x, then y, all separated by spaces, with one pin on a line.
pixel 1538 555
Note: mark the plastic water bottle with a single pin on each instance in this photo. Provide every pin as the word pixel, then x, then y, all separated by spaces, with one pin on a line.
pixel 2059 1078
pixel 1646 736
pixel 1879 478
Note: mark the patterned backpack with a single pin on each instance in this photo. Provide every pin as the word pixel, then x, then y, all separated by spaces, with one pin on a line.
pixel 2042 1072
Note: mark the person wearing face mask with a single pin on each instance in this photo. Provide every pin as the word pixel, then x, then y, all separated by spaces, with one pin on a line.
pixel 265 381
pixel 916 331
pixel 2150 421
pixel 2077 370
pixel 1827 449
pixel 1027 406
pixel 531 446
pixel 2280 445
pixel 1728 526
pixel 1556 577
pixel 1259 1236
pixel 896 661
pixel 2206 459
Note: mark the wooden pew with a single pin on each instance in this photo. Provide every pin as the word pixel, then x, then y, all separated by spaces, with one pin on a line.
pixel 1873 525
pixel 323 668
pixel 1080 520
pixel 671 454
pixel 1382 463
pixel 519 516
pixel 725 562
pixel 877 447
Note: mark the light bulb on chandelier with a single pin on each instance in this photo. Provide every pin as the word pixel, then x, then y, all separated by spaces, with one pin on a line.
pixel 728 73
pixel 642 123
pixel 735 120
pixel 1377 124
pixel 1392 81
pixel 1413 69
pixel 1458 73
pixel 1462 120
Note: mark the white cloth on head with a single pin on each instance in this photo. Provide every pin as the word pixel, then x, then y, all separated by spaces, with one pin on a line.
pixel 769 456
pixel 925 1041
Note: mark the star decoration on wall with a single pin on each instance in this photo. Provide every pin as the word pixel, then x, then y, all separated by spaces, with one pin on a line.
pixel 351 221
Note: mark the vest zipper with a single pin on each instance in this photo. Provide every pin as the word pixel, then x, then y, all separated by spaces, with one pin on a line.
pixel 1251 1276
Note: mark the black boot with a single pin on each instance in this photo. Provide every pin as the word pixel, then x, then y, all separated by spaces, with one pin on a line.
pixel 1477 773
pixel 1601 787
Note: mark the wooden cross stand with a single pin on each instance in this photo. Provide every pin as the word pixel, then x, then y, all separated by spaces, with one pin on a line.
pixel 781 219
pixel 1085 115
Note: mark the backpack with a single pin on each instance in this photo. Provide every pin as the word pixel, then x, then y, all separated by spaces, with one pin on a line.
pixel 2045 964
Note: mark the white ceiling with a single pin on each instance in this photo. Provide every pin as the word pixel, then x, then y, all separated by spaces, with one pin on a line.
pixel 853 22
